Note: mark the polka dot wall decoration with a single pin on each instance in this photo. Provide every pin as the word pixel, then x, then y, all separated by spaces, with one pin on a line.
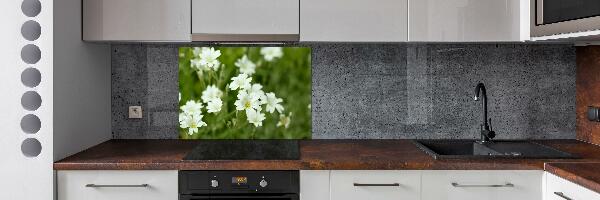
pixel 31 100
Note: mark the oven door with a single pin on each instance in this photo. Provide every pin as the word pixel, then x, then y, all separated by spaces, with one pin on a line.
pixel 240 197
pixel 551 17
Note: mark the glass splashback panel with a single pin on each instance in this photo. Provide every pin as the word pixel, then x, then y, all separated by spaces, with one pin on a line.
pixel 245 93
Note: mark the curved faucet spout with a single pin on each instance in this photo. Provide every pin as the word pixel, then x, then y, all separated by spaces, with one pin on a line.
pixel 486 133
pixel 481 88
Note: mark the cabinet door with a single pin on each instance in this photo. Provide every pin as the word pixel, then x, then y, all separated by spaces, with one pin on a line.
pixel 353 20
pixel 245 20
pixel 482 185
pixel 468 21
pixel 375 185
pixel 314 185
pixel 560 189
pixel 117 185
pixel 136 20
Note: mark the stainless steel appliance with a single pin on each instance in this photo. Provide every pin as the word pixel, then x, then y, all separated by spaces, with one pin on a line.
pixel 552 17
pixel 238 185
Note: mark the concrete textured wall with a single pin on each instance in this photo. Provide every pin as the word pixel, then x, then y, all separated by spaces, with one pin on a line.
pixel 383 91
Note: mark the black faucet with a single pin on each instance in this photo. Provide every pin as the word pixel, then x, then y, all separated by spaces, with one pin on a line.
pixel 487 134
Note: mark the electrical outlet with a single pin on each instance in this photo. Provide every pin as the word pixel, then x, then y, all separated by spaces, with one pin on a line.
pixel 135 112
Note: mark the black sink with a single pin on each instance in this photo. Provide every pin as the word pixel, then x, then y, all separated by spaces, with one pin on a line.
pixel 469 149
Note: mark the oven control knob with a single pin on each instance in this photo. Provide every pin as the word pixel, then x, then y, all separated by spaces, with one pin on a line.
pixel 214 183
pixel 263 183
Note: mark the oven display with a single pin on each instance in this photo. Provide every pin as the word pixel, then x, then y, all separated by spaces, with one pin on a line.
pixel 239 180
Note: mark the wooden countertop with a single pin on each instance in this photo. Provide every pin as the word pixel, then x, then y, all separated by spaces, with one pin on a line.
pixel 331 155
pixel 314 155
pixel 584 174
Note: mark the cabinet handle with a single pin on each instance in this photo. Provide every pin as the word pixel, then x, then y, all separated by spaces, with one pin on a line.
pixel 562 195
pixel 376 184
pixel 115 186
pixel 493 185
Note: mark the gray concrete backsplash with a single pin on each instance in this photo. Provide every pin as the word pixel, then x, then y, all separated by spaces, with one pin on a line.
pixel 383 91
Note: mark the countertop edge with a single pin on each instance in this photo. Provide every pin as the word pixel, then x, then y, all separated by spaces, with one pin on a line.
pixel 572 177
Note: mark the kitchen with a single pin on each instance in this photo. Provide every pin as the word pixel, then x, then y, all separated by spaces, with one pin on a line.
pixel 300 99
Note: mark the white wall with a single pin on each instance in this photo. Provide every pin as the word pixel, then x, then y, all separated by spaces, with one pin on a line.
pixel 82 98
pixel 24 177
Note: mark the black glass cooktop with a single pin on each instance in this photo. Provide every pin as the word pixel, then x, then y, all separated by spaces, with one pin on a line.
pixel 245 150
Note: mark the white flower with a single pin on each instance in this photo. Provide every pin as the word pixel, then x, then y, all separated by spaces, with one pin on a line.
pixel 192 122
pixel 284 120
pixel 211 93
pixel 192 107
pixel 246 101
pixel 182 117
pixel 195 64
pixel 255 117
pixel 180 96
pixel 197 51
pixel 246 65
pixel 256 91
pixel 214 106
pixel 207 58
pixel 273 103
pixel 271 53
pixel 241 81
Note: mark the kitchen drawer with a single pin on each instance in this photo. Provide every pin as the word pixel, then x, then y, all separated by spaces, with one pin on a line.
pixel 395 185
pixel 482 185
pixel 162 185
pixel 556 186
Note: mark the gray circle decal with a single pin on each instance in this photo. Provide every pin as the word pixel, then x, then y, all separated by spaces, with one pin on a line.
pixel 31 30
pixel 31 8
pixel 31 54
pixel 31 77
pixel 31 147
pixel 31 124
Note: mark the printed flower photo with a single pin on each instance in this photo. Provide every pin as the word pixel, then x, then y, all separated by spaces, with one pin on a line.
pixel 244 93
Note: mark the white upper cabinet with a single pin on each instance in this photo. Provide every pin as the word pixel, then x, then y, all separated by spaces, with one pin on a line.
pixel 353 20
pixel 468 20
pixel 245 20
pixel 136 20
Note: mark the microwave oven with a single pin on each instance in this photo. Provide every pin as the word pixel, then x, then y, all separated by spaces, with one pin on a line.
pixel 553 17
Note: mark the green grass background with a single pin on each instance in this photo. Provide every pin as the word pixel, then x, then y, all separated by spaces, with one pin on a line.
pixel 289 77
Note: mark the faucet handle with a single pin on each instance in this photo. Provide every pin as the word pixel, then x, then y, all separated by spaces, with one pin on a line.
pixel 491 133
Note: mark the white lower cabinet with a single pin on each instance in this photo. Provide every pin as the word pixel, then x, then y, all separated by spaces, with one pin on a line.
pixel 117 185
pixel 560 189
pixel 482 185
pixel 375 185
pixel 314 184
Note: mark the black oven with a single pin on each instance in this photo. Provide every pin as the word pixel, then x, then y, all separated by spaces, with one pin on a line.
pixel 237 185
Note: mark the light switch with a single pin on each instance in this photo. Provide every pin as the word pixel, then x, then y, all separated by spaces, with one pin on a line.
pixel 135 112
